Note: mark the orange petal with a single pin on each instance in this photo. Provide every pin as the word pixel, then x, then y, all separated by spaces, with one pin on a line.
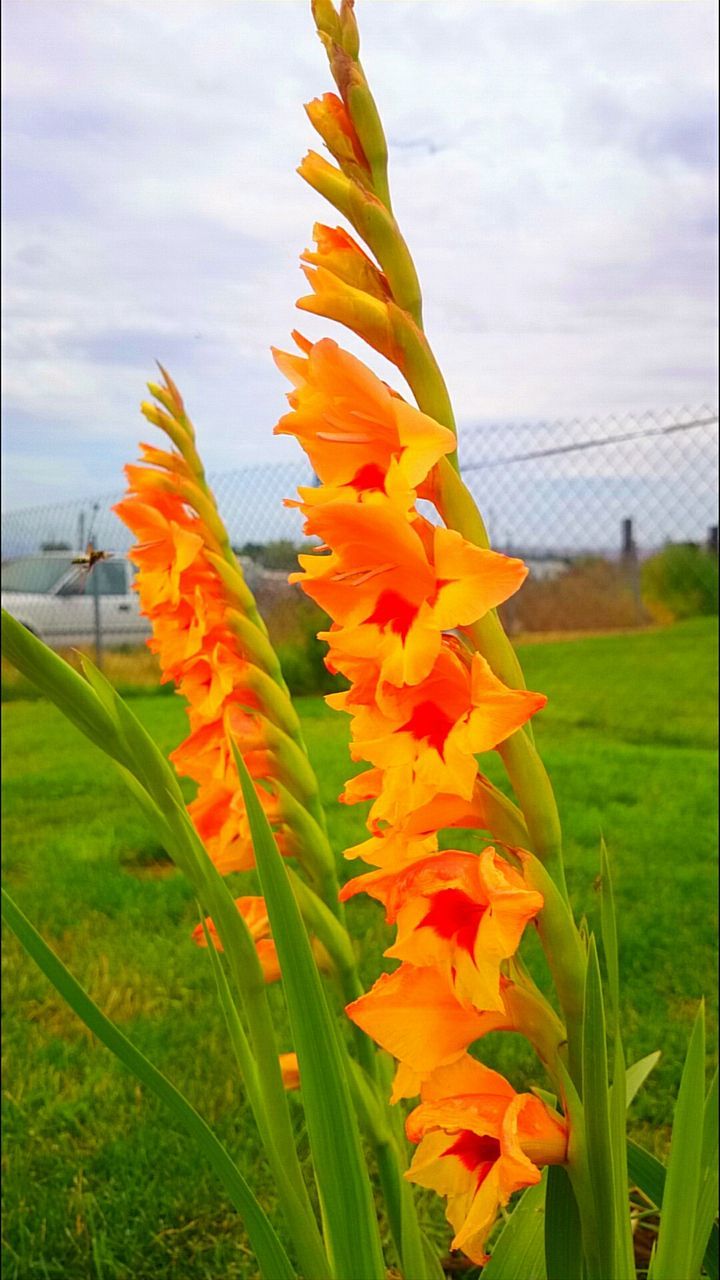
pixel 290 1070
pixel 414 1015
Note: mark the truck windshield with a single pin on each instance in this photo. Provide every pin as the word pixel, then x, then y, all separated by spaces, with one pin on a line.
pixel 38 574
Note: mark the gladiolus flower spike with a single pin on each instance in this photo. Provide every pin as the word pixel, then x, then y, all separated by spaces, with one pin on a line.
pixel 404 594
pixel 401 562
pixel 212 643
pixel 400 591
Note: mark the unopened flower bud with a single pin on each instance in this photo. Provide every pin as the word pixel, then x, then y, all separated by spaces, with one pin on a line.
pixel 365 315
pixel 330 118
pixel 372 221
pixel 337 252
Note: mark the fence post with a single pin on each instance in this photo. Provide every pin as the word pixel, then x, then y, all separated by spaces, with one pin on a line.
pixel 629 550
pixel 712 540
pixel 631 564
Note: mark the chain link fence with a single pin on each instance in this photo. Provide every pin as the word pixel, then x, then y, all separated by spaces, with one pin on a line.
pixel 616 518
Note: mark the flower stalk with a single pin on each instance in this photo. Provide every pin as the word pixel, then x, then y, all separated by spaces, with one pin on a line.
pixel 433 683
pixel 381 309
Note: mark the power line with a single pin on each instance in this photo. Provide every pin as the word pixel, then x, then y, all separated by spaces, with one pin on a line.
pixel 598 443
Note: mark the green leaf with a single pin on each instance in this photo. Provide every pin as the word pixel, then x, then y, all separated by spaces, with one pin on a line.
pixel 648 1173
pixel 625 1255
pixel 147 762
pixel 518 1250
pixel 710 1125
pixel 608 928
pixel 97 710
pixel 269 1102
pixel 271 1256
pixel 343 1182
pixel 637 1074
pixel 303 1227
pixel 597 1117
pixel 711 1261
pixel 550 1099
pixel 708 1199
pixel 236 1030
pixel 674 1256
pixel 624 1258
pixel 60 682
pixel 563 1234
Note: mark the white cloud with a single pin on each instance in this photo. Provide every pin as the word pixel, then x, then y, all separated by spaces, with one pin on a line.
pixel 550 168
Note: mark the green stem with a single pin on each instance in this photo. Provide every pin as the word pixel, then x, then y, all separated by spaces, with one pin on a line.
pixel 455 503
pixel 303 1227
pixel 524 767
pixel 535 796
pixel 565 956
pixel 397 1194
pixel 249 983
pixel 384 1127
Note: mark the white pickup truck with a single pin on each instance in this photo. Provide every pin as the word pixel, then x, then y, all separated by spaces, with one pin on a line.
pixel 57 600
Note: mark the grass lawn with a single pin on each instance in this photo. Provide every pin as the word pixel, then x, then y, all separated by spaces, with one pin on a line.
pixel 96 1184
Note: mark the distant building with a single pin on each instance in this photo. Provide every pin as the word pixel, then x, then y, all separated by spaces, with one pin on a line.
pixel 545 568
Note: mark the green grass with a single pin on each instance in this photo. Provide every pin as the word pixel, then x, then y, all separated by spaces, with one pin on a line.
pixel 96 1183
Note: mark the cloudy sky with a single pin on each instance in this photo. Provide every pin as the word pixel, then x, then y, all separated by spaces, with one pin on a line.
pixel 553 169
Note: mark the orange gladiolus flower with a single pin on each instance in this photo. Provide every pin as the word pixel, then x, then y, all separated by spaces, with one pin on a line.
pixel 393 586
pixel 220 819
pixel 391 850
pixel 480 1142
pixel 425 737
pixel 385 847
pixel 456 912
pixel 254 913
pixel 415 1015
pixel 169 546
pixel 213 677
pixel 354 430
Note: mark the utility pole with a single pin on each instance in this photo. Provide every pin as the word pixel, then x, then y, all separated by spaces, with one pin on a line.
pixel 631 564
pixel 96 602
pixel 628 548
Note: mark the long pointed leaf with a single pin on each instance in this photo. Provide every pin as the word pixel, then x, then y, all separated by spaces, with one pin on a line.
pixel 236 1030
pixel 303 1227
pixel 647 1173
pixel 60 682
pixel 597 1116
pixel 608 922
pixel 625 1257
pixel 271 1256
pixel 682 1182
pixel 708 1199
pixel 637 1074
pixel 98 711
pixel 269 1103
pixel 519 1250
pixel 563 1234
pixel 343 1182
